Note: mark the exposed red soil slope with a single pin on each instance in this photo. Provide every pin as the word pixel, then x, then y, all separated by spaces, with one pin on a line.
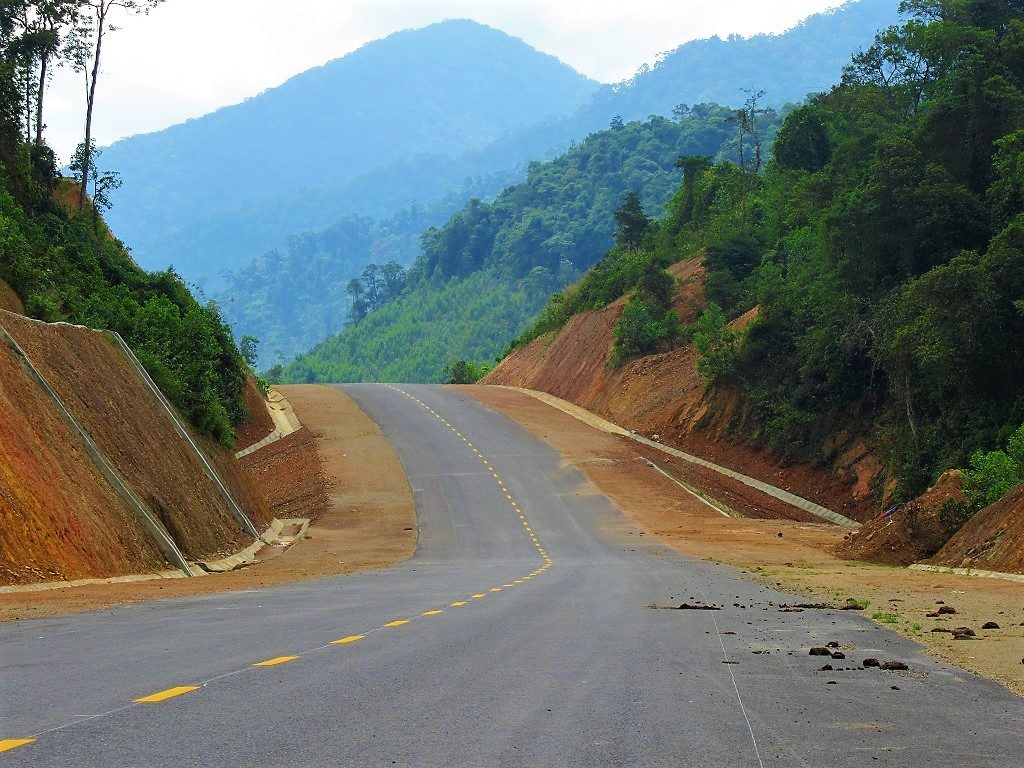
pixel 663 395
pixel 59 520
pixel 912 532
pixel 993 540
pixel 98 385
pixel 258 424
pixel 291 475
pixel 9 300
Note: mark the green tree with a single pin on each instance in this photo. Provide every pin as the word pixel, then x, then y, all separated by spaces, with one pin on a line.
pixel 633 225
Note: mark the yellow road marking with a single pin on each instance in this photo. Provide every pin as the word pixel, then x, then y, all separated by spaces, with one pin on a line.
pixel 496 589
pixel 510 585
pixel 8 744
pixel 398 623
pixel 349 639
pixel 170 693
pixel 479 597
pixel 433 613
pixel 459 604
pixel 276 662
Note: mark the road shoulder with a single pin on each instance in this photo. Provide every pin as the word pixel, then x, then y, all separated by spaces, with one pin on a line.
pixel 787 554
pixel 339 470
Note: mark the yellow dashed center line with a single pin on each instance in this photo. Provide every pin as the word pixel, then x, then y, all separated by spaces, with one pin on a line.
pixel 459 603
pixel 349 640
pixel 433 613
pixel 480 596
pixel 399 623
pixel 170 693
pixel 276 662
pixel 8 744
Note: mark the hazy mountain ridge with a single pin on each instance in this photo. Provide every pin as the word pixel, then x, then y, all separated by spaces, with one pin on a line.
pixel 441 90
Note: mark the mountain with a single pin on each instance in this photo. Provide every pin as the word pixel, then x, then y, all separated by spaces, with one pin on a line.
pixel 439 91
pixel 484 274
pixel 807 58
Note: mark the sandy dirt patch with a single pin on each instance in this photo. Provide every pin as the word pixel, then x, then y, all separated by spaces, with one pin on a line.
pixel 339 470
pixel 788 554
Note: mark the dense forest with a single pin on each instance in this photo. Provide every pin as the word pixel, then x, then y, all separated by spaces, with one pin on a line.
pixel 485 273
pixel 58 255
pixel 883 246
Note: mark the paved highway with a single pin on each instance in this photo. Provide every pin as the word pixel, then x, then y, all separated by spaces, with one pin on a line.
pixel 521 634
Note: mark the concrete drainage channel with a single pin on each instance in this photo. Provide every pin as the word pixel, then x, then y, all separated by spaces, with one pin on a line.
pixel 281 534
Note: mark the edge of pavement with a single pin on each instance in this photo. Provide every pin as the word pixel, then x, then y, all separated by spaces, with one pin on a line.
pixel 368 520
pixel 790 555
pixel 588 417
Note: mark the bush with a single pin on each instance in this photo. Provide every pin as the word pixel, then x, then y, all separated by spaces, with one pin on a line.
pixel 716 345
pixel 465 372
pixel 643 328
pixel 994 474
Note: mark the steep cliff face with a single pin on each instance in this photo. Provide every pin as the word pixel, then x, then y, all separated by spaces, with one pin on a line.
pixel 664 395
pixel 59 518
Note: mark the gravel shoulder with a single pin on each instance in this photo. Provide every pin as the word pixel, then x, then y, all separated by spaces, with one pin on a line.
pixel 789 554
pixel 339 470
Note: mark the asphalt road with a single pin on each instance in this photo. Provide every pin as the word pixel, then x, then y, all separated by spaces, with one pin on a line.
pixel 568 666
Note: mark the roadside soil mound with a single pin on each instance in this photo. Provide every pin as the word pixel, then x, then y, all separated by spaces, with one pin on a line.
pixel 101 389
pixel 259 423
pixel 9 300
pixel 909 533
pixel 59 519
pixel 663 397
pixel 993 540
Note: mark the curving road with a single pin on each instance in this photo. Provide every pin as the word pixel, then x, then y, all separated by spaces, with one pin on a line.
pixel 478 653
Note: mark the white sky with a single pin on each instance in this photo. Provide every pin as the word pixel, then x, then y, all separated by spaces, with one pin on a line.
pixel 192 56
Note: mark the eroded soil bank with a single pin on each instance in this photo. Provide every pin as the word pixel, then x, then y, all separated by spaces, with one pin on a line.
pixel 787 554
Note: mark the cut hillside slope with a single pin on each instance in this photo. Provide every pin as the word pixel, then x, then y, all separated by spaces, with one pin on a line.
pixel 663 395
pixel 59 519
pixel 9 300
pixel 993 540
pixel 97 384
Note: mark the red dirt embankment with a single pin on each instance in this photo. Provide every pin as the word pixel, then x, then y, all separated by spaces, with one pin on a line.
pixel 663 395
pixel 9 300
pixel 259 424
pixel 910 533
pixel 993 540
pixel 120 413
pixel 59 519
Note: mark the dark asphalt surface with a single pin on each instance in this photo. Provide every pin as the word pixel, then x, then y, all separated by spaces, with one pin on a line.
pixel 571 667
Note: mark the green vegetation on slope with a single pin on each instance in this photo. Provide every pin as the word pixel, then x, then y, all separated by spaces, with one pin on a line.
pixel 66 267
pixel 532 240
pixel 884 245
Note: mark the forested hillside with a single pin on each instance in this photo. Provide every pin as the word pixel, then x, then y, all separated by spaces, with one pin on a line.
pixel 289 319
pixel 64 264
pixel 206 194
pixel 883 248
pixel 482 276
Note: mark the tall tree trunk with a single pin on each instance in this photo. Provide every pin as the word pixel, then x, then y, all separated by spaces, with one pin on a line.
pixel 44 61
pixel 101 20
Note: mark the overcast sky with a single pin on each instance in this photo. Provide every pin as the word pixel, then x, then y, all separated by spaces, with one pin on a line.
pixel 192 56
